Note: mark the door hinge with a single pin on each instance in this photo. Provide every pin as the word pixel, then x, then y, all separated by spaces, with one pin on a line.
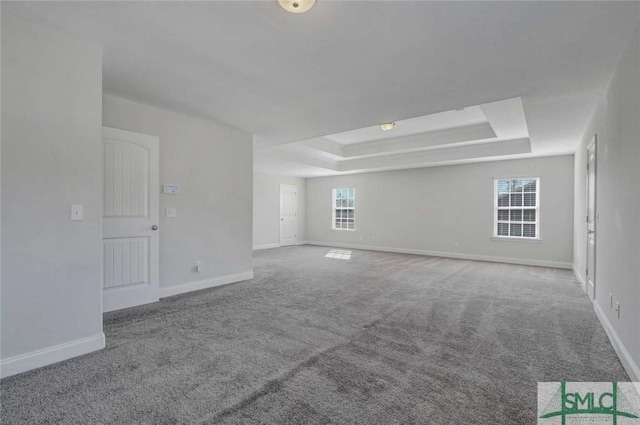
pixel 587 219
pixel 586 271
pixel 587 166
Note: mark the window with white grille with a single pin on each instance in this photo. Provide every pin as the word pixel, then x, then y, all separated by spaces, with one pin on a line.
pixel 344 208
pixel 517 208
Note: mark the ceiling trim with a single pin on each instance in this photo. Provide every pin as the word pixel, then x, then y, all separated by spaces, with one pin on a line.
pixel 423 141
pixel 492 149
pixel 407 159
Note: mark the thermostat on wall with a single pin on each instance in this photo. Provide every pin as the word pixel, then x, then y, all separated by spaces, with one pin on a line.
pixel 170 189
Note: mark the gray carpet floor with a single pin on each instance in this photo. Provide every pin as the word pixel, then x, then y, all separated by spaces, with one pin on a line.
pixel 377 339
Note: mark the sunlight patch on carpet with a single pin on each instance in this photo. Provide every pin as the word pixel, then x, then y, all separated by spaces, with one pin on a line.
pixel 339 254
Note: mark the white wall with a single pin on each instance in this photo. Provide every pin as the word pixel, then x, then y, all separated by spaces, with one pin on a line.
pixel 617 124
pixel 51 158
pixel 448 211
pixel 212 163
pixel 266 209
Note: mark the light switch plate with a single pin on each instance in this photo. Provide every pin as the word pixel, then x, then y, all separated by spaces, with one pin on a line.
pixel 77 213
pixel 171 213
pixel 170 189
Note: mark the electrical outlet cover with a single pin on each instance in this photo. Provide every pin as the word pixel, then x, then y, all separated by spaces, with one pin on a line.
pixel 77 212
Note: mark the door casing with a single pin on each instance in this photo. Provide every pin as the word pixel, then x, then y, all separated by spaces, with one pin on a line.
pixel 592 217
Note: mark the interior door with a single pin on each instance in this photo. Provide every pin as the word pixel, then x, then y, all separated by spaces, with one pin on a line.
pixel 130 235
pixel 591 219
pixel 288 214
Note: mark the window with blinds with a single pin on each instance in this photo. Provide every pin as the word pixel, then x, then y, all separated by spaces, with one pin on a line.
pixel 517 213
pixel 344 207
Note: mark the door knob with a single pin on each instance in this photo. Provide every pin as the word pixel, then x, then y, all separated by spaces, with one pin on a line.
pixel 282 219
pixel 154 227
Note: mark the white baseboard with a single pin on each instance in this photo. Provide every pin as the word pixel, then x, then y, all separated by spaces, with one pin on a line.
pixel 276 245
pixel 629 365
pixel 50 355
pixel 583 285
pixel 204 284
pixel 462 256
pixel 267 246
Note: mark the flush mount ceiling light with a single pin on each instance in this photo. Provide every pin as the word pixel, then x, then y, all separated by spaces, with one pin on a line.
pixel 296 6
pixel 386 126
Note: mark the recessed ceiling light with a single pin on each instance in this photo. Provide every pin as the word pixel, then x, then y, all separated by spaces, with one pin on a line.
pixel 386 126
pixel 296 6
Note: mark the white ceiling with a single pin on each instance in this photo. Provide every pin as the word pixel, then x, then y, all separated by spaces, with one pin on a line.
pixel 349 65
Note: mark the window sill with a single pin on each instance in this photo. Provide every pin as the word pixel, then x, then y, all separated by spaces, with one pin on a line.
pixel 509 239
pixel 344 230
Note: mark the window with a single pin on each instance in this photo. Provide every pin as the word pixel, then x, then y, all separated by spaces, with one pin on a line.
pixel 517 212
pixel 343 207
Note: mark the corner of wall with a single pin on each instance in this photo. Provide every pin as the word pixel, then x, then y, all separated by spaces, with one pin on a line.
pixel 580 278
pixel 50 355
pixel 59 140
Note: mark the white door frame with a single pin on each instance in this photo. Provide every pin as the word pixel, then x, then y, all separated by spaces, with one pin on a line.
pixel 139 231
pixel 590 269
pixel 282 219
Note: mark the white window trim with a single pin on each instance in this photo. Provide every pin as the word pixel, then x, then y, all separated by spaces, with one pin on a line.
pixel 333 209
pixel 495 236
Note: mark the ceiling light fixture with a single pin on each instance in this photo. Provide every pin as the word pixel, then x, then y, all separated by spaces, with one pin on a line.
pixel 386 126
pixel 296 6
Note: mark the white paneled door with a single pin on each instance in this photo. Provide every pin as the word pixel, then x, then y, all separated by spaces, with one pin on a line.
pixel 130 234
pixel 288 214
